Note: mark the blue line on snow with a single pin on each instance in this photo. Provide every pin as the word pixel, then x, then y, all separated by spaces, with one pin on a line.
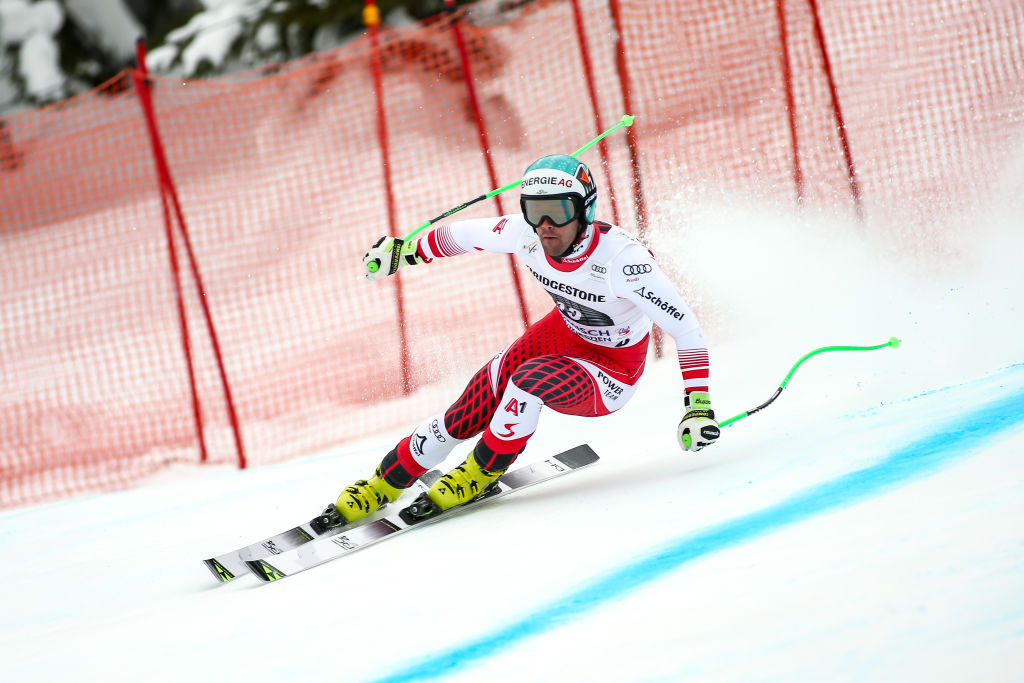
pixel 917 459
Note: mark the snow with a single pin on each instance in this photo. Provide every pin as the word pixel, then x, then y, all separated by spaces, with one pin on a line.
pixel 19 19
pixel 267 37
pixel 38 65
pixel 865 526
pixel 160 59
pixel 210 44
pixel 33 29
pixel 110 23
pixel 209 35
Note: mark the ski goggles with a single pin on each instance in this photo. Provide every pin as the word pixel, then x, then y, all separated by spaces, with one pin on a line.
pixel 559 210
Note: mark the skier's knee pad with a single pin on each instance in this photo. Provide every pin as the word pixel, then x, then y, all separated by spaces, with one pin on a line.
pixel 430 443
pixel 514 421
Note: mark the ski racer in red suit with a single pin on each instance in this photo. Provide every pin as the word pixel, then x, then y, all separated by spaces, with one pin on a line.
pixel 583 358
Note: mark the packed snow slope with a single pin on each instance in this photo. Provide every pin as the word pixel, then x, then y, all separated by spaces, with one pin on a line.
pixel 865 526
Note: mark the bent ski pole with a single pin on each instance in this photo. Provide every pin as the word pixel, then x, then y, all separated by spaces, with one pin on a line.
pixel 374 266
pixel 893 342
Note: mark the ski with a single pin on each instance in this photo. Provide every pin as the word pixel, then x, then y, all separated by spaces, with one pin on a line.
pixel 319 551
pixel 230 566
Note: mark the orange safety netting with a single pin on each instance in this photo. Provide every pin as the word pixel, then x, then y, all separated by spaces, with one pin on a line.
pixel 280 177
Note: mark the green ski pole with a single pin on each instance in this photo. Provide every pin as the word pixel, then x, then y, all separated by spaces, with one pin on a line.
pixel 893 342
pixel 374 266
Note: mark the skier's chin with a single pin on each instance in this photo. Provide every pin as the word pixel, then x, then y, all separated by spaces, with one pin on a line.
pixel 552 247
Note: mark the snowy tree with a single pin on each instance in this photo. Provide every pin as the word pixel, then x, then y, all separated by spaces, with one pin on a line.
pixel 29 57
pixel 51 49
pixel 240 34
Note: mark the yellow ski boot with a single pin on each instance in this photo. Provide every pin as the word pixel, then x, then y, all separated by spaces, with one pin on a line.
pixel 466 482
pixel 365 497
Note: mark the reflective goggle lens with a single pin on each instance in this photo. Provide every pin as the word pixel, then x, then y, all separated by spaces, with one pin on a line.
pixel 558 211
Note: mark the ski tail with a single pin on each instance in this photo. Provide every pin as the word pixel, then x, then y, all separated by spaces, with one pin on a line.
pixel 264 571
pixel 220 572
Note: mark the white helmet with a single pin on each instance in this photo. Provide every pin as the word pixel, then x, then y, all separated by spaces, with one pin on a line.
pixel 560 188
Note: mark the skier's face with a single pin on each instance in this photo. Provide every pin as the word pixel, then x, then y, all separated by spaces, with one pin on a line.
pixel 557 240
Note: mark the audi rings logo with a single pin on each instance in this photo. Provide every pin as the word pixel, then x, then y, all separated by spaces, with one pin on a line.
pixel 599 269
pixel 639 269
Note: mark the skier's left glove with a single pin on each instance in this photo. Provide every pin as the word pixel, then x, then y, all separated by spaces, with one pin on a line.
pixel 388 254
pixel 698 427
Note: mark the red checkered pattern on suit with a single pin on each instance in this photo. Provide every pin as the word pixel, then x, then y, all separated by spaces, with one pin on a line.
pixel 539 362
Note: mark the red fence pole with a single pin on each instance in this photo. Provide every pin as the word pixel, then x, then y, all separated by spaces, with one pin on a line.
pixel 631 140
pixel 141 88
pixel 787 83
pixel 371 17
pixel 169 191
pixel 631 136
pixel 581 38
pixel 485 147
pixel 819 35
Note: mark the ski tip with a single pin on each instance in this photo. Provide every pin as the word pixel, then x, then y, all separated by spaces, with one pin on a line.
pixel 219 571
pixel 580 456
pixel 264 571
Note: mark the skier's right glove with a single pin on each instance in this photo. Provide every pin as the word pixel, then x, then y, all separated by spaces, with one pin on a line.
pixel 388 254
pixel 698 428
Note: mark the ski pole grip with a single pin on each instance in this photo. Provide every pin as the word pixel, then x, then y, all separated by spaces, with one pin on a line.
pixel 396 254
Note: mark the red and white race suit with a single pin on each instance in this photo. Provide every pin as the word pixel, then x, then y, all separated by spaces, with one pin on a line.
pixel 584 358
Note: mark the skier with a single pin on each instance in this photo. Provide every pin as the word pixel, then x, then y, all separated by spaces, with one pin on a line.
pixel 583 358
